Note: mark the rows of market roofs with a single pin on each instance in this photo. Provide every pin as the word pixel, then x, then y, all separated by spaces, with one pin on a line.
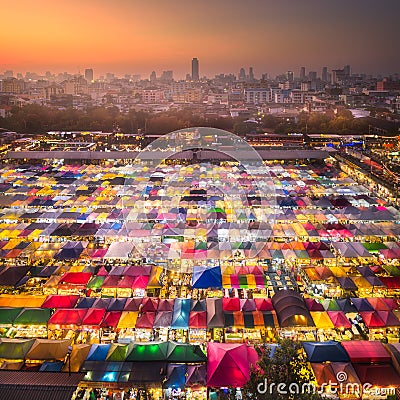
pixel 101 258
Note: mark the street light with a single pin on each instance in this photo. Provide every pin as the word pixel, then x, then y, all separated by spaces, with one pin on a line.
pixel 69 359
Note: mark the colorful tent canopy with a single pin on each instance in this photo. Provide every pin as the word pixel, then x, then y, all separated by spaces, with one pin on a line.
pixel 325 351
pixel 57 301
pixel 339 319
pixel 229 364
pixel 47 349
pixel 363 351
pixel 33 316
pixel 291 309
pixel 180 319
pixel 14 349
pixel 204 277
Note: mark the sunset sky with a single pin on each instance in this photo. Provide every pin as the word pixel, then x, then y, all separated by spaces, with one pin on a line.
pixel 131 36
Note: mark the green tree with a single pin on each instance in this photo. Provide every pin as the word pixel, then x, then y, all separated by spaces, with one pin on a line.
pixel 288 365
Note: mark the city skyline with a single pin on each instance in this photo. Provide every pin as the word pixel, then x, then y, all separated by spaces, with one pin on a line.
pixel 132 37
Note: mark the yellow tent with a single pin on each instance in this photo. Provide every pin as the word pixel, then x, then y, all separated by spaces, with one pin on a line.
pixel 21 301
pixel 128 319
pixel 321 320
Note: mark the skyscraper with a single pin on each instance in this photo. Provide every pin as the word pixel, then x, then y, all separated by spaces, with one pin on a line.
pixel 290 76
pixel 242 74
pixel 89 74
pixel 347 70
pixel 153 76
pixel 251 74
pixel 324 75
pixel 302 73
pixel 195 69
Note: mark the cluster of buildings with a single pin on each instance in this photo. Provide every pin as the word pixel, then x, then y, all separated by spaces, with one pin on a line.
pixel 223 95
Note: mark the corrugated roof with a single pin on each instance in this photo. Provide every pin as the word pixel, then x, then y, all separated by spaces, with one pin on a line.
pixel 19 392
pixel 28 378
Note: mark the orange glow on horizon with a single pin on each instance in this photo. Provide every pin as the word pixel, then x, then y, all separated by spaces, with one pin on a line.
pixel 131 36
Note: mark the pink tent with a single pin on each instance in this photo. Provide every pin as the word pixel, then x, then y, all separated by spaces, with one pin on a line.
pixel 229 364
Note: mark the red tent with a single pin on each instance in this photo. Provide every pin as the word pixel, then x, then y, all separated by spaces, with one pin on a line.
pixel 102 272
pixel 231 304
pixel 392 303
pixel 94 316
pixel 314 305
pixel 140 282
pixel 364 351
pixel 381 375
pixel 388 318
pixel 111 281
pixel 149 304
pixel 229 364
pixel 126 282
pixel 76 278
pixel 378 304
pixel 339 319
pixel 146 320
pixel 264 304
pixel 70 317
pixel 198 319
pixel 58 301
pixel 391 282
pixel 372 319
pixel 166 305
pixel 111 319
pixel 133 304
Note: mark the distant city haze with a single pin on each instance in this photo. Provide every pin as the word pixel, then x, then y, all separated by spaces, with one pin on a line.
pixel 137 37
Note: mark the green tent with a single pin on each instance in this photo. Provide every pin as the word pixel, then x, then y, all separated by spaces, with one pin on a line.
pixel 149 352
pixel 117 352
pixel 96 282
pixel 15 349
pixel 201 246
pixel 391 270
pixel 185 353
pixel 33 316
pixel 374 247
pixel 8 315
pixel 330 305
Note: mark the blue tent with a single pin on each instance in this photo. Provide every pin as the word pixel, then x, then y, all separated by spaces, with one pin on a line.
pixel 51 366
pixel 180 318
pixel 86 302
pixel 332 351
pixel 98 352
pixel 204 278
pixel 176 376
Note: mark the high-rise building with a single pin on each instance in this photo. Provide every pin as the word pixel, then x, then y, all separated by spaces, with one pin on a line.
pixel 347 70
pixel 89 74
pixel 251 74
pixel 290 76
pixel 324 75
pixel 153 76
pixel 302 73
pixel 242 74
pixel 195 69
pixel 167 76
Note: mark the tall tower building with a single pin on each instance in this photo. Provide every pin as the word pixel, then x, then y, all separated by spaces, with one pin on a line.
pixel 89 74
pixel 290 76
pixel 242 74
pixel 324 75
pixel 153 76
pixel 347 70
pixel 251 74
pixel 303 73
pixel 195 69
